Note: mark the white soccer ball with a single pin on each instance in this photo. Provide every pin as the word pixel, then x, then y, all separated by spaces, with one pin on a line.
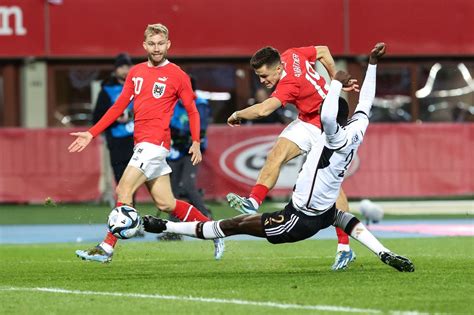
pixel 371 211
pixel 124 222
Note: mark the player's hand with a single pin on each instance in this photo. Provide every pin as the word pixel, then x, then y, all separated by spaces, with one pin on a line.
pixel 376 53
pixel 195 151
pixel 233 120
pixel 81 142
pixel 348 84
pixel 351 86
pixel 343 77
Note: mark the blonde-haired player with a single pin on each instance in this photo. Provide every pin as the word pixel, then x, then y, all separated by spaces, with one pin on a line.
pixel 154 86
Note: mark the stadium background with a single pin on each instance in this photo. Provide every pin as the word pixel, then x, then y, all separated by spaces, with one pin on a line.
pixel 53 55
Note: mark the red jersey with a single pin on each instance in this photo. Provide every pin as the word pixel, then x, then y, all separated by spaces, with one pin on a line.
pixel 154 91
pixel 301 85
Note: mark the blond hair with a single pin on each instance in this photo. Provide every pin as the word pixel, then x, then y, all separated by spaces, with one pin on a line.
pixel 153 29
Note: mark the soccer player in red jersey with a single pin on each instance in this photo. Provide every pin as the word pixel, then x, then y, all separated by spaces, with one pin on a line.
pixel 154 86
pixel 294 79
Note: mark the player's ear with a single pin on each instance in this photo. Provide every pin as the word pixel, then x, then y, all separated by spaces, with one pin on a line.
pixel 169 44
pixel 279 68
pixel 144 46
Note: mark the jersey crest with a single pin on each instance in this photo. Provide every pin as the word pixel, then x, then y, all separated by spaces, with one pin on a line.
pixel 158 89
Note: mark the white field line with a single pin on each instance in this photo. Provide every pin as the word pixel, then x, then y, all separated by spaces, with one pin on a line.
pixel 329 308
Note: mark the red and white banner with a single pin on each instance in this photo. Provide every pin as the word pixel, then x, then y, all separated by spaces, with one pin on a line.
pixel 22 28
pixel 411 160
pixel 85 28
pixel 395 160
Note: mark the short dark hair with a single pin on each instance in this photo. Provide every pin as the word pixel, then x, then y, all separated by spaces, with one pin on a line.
pixel 343 112
pixel 122 59
pixel 268 56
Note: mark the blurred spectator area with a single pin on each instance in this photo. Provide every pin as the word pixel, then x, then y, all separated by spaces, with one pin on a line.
pixel 422 91
pixel 418 90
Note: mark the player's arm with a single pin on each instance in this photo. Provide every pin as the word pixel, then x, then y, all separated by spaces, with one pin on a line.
pixel 330 106
pixel 186 95
pixel 367 92
pixel 114 112
pixel 324 56
pixel 255 111
pixel 336 136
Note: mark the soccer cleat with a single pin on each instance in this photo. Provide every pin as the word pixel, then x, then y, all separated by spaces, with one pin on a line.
pixel 219 248
pixel 400 263
pixel 241 204
pixel 96 253
pixel 343 258
pixel 153 224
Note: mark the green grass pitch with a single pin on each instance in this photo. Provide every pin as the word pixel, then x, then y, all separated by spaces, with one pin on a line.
pixel 254 277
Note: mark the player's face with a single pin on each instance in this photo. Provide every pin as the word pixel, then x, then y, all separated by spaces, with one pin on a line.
pixel 156 46
pixel 269 75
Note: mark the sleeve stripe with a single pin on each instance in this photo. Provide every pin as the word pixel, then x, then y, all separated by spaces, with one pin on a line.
pixel 361 112
pixel 350 121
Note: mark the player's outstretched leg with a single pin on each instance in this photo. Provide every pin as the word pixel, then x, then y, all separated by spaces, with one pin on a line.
pixel 156 225
pixel 358 231
pixel 160 190
pixel 398 262
pixel 188 213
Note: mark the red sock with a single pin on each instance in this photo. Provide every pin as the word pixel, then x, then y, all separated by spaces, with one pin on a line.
pixel 342 237
pixel 259 192
pixel 187 213
pixel 118 204
pixel 110 239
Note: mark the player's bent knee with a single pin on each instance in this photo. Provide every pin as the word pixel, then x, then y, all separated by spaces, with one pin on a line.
pixel 167 207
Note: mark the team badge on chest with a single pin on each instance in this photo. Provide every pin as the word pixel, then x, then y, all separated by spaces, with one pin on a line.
pixel 158 89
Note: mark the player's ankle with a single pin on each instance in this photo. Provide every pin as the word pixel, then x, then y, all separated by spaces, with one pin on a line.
pixel 343 247
pixel 254 202
pixel 107 248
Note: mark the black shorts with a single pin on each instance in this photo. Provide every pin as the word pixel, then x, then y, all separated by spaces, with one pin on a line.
pixel 291 225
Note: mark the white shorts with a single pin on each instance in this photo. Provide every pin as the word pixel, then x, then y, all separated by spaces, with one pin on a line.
pixel 150 159
pixel 305 135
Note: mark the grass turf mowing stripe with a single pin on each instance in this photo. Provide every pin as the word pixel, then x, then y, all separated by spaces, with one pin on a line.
pixel 328 308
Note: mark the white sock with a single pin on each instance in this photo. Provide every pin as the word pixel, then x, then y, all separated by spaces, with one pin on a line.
pixel 107 248
pixel 182 228
pixel 364 236
pixel 343 247
pixel 254 202
pixel 212 230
